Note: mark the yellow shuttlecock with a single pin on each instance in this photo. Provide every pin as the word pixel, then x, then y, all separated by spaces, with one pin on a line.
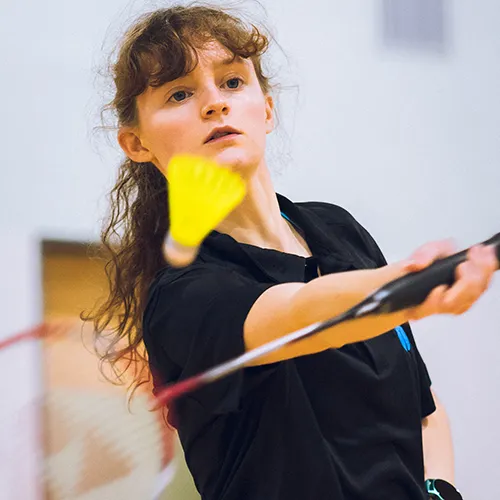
pixel 201 194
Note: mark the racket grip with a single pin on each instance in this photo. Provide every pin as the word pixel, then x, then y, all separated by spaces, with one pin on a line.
pixel 412 289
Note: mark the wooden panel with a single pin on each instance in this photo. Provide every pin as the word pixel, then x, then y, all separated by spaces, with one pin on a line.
pixel 72 281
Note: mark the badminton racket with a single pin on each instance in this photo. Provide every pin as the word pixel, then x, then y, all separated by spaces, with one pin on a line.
pixel 402 293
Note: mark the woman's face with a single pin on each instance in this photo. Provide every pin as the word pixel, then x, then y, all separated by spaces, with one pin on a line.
pixel 182 115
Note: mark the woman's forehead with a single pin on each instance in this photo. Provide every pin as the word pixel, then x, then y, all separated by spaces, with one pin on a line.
pixel 213 53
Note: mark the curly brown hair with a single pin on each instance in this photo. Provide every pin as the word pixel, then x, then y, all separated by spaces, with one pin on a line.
pixel 159 47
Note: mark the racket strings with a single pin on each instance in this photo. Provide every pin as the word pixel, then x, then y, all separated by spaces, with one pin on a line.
pixel 101 449
pixel 90 444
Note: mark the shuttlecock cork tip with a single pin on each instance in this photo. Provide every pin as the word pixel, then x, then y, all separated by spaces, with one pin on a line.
pixel 178 255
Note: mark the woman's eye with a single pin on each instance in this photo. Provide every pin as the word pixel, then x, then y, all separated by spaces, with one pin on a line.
pixel 179 96
pixel 234 83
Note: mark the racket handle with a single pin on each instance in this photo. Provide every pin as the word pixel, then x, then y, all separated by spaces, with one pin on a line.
pixel 412 289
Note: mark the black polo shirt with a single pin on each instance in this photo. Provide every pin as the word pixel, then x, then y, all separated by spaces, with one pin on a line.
pixel 343 424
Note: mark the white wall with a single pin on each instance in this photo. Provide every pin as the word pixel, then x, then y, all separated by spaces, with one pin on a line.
pixel 409 142
pixel 20 367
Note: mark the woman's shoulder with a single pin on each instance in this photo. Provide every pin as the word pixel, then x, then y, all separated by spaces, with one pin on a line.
pixel 203 274
pixel 198 282
pixel 329 212
pixel 345 225
pixel 173 287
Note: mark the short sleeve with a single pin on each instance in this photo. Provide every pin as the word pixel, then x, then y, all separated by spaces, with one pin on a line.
pixel 193 322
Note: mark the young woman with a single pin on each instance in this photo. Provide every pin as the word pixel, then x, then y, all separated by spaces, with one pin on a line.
pixel 339 416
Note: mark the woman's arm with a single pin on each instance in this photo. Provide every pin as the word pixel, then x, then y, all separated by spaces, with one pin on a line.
pixel 288 307
pixel 438 445
pixel 291 306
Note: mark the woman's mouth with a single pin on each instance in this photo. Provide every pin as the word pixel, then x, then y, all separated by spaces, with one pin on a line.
pixel 222 138
pixel 222 134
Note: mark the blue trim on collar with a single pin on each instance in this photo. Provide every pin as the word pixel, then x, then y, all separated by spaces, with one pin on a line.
pixel 285 216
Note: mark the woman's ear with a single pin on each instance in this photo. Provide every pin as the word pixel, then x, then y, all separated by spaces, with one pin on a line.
pixel 269 114
pixel 132 146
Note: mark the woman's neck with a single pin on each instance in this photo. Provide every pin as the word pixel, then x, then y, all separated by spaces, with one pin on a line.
pixel 258 221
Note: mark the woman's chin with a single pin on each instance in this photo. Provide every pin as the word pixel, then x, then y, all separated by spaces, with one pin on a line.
pixel 237 161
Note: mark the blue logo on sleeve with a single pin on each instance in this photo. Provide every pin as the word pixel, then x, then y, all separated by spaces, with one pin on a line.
pixel 403 338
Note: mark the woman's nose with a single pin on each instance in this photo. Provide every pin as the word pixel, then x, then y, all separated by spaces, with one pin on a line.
pixel 215 105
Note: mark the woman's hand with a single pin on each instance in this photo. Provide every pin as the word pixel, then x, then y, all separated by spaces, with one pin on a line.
pixel 472 278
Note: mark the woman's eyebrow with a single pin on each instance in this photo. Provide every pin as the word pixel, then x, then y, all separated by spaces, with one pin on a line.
pixel 226 61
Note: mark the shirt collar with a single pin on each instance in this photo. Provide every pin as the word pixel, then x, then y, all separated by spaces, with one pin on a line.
pixel 327 251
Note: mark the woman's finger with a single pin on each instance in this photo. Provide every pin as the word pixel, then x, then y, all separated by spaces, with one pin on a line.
pixel 429 253
pixel 473 278
pixel 468 286
pixel 431 305
pixel 490 261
